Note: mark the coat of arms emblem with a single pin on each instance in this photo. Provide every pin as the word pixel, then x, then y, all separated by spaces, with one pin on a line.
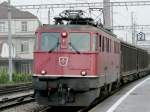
pixel 63 61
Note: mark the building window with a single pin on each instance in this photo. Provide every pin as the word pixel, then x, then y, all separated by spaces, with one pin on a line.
pixel 25 46
pixel 2 26
pixel 24 26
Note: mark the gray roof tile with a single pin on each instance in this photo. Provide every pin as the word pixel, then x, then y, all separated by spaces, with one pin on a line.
pixel 16 13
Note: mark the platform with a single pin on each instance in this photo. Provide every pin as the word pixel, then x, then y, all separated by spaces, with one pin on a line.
pixel 135 98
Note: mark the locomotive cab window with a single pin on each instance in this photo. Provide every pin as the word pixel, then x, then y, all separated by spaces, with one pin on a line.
pixel 50 41
pixel 79 42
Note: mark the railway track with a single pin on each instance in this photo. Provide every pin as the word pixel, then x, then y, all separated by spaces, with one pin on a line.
pixel 11 96
pixel 44 109
pixel 77 109
pixel 6 103
pixel 9 103
pixel 87 109
pixel 15 88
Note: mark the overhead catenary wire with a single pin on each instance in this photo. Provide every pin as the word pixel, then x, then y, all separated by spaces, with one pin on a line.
pixel 83 4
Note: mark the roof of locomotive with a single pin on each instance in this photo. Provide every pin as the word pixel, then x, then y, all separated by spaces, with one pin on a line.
pixel 87 28
pixel 75 20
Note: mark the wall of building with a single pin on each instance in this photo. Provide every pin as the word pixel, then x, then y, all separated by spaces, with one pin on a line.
pixel 24 54
pixel 23 41
pixel 16 25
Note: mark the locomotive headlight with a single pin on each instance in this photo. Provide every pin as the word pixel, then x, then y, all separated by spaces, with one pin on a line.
pixel 43 72
pixel 83 73
pixel 64 34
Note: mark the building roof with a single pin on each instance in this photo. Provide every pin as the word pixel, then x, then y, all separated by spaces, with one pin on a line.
pixel 16 13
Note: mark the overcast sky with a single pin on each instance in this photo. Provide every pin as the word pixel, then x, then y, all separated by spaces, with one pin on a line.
pixel 121 15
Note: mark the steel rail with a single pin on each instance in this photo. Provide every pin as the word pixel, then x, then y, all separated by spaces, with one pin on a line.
pixel 44 109
pixel 8 103
pixel 16 88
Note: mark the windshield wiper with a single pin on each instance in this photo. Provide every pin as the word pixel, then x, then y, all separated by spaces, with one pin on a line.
pixel 74 47
pixel 54 47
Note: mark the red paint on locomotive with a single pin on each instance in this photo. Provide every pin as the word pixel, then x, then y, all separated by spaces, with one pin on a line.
pixel 75 64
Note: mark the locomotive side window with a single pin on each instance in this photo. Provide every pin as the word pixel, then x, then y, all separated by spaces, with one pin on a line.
pixel 79 42
pixel 94 47
pixel 103 43
pixel 110 45
pixel 50 41
pixel 107 44
pixel 100 42
pixel 116 47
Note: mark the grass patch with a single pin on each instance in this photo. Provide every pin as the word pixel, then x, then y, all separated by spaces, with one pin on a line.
pixel 16 77
pixel 21 77
pixel 4 78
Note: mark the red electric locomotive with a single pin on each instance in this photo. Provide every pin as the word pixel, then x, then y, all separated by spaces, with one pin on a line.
pixel 75 63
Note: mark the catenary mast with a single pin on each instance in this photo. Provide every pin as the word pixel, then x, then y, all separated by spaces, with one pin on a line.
pixel 107 14
pixel 9 41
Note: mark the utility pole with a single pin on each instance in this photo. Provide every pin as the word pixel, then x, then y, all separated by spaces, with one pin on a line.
pixel 133 28
pixel 9 41
pixel 49 14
